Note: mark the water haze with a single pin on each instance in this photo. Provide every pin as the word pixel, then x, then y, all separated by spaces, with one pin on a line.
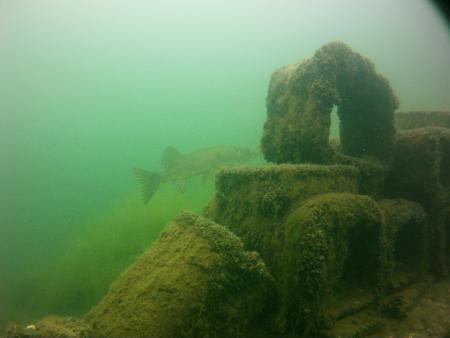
pixel 90 89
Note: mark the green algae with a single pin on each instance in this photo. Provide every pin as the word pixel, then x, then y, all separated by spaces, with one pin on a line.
pixel 253 202
pixel 337 256
pixel 421 165
pixel 300 100
pixel 408 237
pixel 330 239
pixel 420 172
pixel 196 280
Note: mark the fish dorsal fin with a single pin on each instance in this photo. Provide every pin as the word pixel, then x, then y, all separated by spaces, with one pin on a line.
pixel 170 156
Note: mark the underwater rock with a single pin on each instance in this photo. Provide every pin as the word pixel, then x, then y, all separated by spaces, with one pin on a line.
pixel 420 172
pixel 253 201
pixel 415 119
pixel 196 280
pixel 330 240
pixel 299 103
pixel 50 327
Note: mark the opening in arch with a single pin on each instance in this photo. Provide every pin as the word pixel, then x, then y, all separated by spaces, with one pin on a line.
pixel 333 137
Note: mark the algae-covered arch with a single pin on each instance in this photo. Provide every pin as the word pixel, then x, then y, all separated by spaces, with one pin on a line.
pixel 300 100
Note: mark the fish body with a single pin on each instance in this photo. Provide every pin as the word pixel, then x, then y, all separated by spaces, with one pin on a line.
pixel 178 168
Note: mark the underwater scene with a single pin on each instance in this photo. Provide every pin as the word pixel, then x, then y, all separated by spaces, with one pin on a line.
pixel 248 169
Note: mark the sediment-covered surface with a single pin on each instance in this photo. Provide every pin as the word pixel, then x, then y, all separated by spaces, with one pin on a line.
pixel 420 310
pixel 49 327
pixel 196 280
pixel 416 119
pixel 302 95
pixel 428 315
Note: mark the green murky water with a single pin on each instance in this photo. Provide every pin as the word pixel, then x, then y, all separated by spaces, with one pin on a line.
pixel 89 90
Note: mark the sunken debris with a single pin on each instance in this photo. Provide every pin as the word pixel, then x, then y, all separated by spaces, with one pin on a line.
pixel 420 172
pixel 408 237
pixel 253 201
pixel 416 119
pixel 331 241
pixel 196 280
pixel 349 240
pixel 302 95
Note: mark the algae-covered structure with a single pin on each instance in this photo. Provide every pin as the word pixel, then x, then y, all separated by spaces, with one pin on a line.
pixel 347 241
pixel 302 95
pixel 195 281
pixel 419 119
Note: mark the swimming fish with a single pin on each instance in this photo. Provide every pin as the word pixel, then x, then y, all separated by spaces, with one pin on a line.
pixel 177 168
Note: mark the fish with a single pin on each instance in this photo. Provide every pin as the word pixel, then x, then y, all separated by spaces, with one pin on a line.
pixel 178 168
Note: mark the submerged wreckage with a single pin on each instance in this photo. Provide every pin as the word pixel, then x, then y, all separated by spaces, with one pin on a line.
pixel 328 240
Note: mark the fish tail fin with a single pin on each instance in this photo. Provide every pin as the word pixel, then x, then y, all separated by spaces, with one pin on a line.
pixel 150 182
